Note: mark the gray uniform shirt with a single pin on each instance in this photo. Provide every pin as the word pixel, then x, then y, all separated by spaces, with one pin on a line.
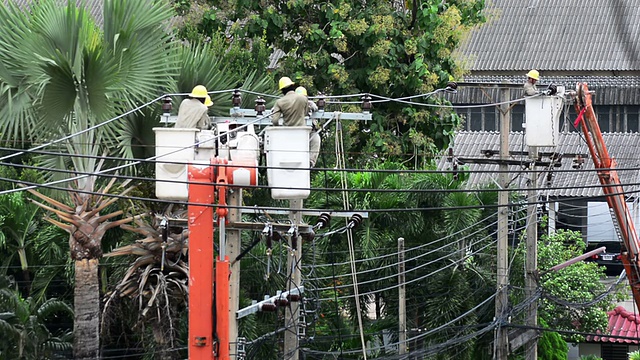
pixel 530 89
pixel 192 114
pixel 292 108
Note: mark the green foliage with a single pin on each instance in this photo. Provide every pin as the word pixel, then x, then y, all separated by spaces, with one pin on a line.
pixel 590 357
pixel 343 46
pixel 60 72
pixel 635 355
pixel 551 346
pixel 25 329
pixel 569 295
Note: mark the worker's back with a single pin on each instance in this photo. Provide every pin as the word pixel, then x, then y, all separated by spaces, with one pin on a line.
pixel 292 108
pixel 192 114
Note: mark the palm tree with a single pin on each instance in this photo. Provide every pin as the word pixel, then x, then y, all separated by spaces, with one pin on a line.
pixel 60 73
pixel 156 278
pixel 22 323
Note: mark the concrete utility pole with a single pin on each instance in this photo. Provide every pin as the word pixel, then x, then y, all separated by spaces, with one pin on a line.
pixel 402 301
pixel 294 263
pixel 531 261
pixel 234 243
pixel 501 336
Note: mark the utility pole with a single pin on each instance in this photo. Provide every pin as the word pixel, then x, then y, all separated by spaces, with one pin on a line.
pixel 402 301
pixel 531 261
pixel 501 335
pixel 294 263
pixel 233 250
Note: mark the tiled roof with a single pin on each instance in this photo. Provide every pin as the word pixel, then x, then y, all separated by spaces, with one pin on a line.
pixel 609 90
pixel 93 6
pixel 621 323
pixel 572 183
pixel 561 35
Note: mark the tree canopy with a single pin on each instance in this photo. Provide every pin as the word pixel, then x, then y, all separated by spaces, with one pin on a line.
pixel 392 49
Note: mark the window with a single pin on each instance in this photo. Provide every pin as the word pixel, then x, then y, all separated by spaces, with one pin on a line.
pixel 632 118
pixel 517 117
pixel 604 112
pixel 615 351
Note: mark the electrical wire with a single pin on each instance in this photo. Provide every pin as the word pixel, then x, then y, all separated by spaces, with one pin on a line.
pixel 91 128
pixel 126 165
pixel 453 263
pixel 395 254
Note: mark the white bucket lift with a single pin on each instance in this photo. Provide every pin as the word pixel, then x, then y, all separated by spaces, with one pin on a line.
pixel 287 150
pixel 176 149
pixel 542 115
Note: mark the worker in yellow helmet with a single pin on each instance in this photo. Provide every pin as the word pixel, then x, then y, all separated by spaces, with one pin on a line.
pixel 530 86
pixel 193 110
pixel 314 135
pixel 290 109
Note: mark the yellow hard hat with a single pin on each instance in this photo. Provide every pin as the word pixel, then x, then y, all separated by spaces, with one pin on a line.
pixel 301 90
pixel 199 92
pixel 534 74
pixel 207 101
pixel 284 83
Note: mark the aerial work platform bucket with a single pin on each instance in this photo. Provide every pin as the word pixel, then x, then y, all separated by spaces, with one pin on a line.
pixel 542 116
pixel 174 151
pixel 288 172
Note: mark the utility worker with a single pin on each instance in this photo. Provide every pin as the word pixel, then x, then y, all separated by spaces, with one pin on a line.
pixel 193 110
pixel 530 86
pixel 292 107
pixel 314 135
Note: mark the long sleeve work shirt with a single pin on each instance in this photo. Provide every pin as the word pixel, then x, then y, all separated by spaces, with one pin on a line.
pixel 192 114
pixel 292 108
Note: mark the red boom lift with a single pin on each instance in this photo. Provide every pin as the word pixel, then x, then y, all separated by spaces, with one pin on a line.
pixel 611 186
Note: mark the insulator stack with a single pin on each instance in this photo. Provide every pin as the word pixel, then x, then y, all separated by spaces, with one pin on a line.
pixel 323 221
pixel 166 105
pixel 321 102
pixel 355 221
pixel 260 105
pixel 236 99
pixel 366 103
pixel 268 307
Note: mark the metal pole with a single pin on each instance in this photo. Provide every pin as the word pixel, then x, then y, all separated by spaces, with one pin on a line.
pixel 501 336
pixel 402 302
pixel 531 261
pixel 233 249
pixel 201 192
pixel 294 264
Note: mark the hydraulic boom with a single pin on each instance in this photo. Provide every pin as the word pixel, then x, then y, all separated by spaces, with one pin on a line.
pixel 611 186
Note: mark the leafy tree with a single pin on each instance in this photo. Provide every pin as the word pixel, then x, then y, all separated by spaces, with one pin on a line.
pixel 573 297
pixel 393 49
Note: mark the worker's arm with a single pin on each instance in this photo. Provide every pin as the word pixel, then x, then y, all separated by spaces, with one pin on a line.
pixel 275 114
pixel 313 107
pixel 205 122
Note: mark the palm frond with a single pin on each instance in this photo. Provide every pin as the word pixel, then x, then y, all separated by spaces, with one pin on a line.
pixel 134 33
pixel 53 306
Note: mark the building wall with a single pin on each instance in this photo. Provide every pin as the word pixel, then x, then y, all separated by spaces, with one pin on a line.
pixel 611 118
